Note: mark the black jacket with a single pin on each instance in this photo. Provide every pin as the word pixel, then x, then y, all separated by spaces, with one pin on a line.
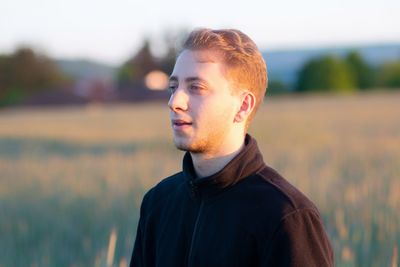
pixel 245 215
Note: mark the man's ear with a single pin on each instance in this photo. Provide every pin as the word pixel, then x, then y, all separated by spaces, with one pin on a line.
pixel 248 101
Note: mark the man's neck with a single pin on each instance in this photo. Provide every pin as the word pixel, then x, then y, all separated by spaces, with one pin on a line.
pixel 206 164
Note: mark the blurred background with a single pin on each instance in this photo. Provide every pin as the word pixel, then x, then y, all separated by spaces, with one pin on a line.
pixel 84 129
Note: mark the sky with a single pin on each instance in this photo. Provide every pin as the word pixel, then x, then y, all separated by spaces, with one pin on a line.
pixel 112 31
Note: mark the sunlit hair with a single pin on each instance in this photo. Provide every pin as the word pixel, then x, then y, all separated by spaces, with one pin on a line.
pixel 245 66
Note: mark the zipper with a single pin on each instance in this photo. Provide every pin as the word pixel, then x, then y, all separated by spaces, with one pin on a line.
pixel 195 225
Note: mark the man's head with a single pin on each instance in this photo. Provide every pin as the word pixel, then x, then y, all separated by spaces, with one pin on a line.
pixel 243 63
pixel 218 82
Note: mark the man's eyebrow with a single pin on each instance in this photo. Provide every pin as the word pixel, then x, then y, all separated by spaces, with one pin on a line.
pixel 188 79
pixel 173 79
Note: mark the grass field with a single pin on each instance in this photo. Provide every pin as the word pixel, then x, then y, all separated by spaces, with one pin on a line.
pixel 69 176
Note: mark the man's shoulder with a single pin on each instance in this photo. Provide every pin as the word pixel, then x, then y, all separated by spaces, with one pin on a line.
pixel 274 189
pixel 164 188
pixel 169 183
pixel 296 223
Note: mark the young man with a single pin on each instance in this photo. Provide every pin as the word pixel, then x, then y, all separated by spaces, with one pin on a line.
pixel 226 207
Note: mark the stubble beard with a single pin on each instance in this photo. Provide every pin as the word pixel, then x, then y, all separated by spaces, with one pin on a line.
pixel 201 144
pixel 193 147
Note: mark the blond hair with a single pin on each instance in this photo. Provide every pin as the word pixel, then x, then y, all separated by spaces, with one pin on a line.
pixel 245 66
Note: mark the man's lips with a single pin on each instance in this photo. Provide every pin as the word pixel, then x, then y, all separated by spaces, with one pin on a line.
pixel 179 124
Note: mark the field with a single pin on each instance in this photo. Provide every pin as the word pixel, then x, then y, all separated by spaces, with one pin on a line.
pixel 72 179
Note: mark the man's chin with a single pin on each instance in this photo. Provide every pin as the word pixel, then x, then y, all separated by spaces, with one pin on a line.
pixel 186 145
pixel 181 145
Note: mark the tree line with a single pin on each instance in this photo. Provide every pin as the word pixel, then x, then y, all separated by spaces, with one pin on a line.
pixel 25 73
pixel 330 73
pixel 351 73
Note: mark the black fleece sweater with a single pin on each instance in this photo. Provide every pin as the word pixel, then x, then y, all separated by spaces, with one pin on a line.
pixel 245 215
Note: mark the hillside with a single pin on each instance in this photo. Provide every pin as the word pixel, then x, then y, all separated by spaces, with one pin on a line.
pixel 79 69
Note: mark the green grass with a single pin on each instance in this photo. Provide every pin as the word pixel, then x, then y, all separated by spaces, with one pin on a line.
pixel 69 176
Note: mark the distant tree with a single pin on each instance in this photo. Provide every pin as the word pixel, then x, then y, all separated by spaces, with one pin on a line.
pixel 132 73
pixel 25 73
pixel 327 73
pixel 363 73
pixel 5 73
pixel 277 87
pixel 389 75
pixel 35 72
pixel 135 69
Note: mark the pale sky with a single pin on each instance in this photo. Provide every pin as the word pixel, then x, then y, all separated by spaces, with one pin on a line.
pixel 111 31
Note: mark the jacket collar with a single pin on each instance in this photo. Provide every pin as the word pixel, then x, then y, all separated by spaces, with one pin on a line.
pixel 248 161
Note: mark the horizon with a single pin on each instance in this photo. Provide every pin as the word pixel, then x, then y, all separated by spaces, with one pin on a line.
pixel 263 51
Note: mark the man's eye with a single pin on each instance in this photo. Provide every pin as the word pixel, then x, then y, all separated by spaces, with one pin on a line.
pixel 195 87
pixel 172 88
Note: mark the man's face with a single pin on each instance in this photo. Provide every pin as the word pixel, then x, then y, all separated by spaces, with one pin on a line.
pixel 202 104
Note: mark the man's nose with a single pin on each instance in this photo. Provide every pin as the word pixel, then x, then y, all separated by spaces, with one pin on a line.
pixel 178 100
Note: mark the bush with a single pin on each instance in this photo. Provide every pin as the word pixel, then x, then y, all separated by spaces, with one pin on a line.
pixel 327 73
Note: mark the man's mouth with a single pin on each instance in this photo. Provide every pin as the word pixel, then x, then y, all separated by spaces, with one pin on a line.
pixel 180 124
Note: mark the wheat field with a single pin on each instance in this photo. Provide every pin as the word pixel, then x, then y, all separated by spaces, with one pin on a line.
pixel 72 179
